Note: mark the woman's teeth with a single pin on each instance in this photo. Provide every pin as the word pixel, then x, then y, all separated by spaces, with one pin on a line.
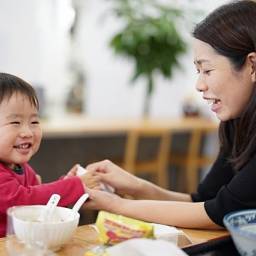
pixel 212 101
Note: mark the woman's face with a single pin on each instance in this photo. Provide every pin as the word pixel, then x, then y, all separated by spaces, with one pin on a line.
pixel 226 90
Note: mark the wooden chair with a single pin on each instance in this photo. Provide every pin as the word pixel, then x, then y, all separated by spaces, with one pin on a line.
pixel 192 161
pixel 157 167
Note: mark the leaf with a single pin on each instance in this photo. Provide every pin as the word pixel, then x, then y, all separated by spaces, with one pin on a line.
pixel 151 41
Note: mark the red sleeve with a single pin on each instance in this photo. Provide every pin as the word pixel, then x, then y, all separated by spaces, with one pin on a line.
pixel 13 193
pixel 30 175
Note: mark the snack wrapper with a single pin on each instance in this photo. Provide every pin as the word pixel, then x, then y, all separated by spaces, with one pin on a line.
pixel 114 228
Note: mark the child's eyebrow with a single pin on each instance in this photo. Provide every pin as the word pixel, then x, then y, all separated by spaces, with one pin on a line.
pixel 13 116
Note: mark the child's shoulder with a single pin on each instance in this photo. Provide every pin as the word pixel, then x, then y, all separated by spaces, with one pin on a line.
pixel 28 167
pixel 3 168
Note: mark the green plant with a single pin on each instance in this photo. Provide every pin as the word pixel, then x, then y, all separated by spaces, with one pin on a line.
pixel 150 37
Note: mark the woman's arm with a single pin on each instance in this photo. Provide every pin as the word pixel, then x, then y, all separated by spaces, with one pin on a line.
pixel 148 190
pixel 180 214
pixel 128 184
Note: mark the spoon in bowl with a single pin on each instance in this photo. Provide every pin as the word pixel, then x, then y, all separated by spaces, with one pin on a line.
pixel 79 203
pixel 47 212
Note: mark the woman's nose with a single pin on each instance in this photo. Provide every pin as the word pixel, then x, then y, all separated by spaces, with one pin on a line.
pixel 201 86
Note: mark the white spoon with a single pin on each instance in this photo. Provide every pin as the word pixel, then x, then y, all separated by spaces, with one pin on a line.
pixel 79 203
pixel 47 212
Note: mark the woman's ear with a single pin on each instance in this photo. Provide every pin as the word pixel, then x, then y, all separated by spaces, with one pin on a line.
pixel 252 65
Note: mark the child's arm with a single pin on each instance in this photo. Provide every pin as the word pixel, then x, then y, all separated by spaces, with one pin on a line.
pixel 14 193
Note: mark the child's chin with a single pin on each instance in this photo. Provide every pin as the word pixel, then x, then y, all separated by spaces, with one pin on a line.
pixel 23 161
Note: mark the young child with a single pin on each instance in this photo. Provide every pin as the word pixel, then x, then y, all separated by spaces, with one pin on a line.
pixel 20 137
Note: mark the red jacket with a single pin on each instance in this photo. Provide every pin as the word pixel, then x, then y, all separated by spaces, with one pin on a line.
pixel 24 189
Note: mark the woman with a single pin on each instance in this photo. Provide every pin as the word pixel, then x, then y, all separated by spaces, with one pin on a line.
pixel 225 58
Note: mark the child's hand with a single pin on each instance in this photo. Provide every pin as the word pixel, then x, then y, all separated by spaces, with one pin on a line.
pixel 123 182
pixel 72 171
pixel 91 180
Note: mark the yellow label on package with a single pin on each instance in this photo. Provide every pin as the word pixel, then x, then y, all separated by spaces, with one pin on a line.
pixel 90 253
pixel 114 228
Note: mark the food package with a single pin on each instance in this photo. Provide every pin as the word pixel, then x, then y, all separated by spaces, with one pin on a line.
pixel 114 228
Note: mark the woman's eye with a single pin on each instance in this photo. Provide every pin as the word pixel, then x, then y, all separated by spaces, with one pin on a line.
pixel 207 72
pixel 15 122
pixel 35 122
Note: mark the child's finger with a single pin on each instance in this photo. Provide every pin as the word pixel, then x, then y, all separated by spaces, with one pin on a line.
pixel 73 170
pixel 39 179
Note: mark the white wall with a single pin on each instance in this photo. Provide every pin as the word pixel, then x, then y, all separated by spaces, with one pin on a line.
pixel 108 89
pixel 34 45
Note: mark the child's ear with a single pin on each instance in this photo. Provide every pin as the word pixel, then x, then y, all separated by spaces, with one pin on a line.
pixel 252 64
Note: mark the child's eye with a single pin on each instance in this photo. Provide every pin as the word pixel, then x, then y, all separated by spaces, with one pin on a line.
pixel 35 122
pixel 15 122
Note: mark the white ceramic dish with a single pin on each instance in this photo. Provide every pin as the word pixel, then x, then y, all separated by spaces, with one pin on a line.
pixel 51 234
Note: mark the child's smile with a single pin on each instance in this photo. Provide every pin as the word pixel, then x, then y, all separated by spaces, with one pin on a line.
pixel 23 148
pixel 20 131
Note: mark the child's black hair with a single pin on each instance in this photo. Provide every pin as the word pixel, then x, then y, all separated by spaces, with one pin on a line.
pixel 10 84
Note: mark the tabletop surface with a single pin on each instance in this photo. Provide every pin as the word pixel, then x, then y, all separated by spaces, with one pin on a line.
pixel 86 238
pixel 88 126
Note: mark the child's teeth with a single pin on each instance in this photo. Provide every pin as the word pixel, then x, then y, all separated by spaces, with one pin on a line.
pixel 23 146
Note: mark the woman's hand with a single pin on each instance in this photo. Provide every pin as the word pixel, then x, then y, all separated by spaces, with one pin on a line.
pixel 101 200
pixel 123 182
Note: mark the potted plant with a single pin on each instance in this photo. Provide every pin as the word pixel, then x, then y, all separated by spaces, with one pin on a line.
pixel 150 38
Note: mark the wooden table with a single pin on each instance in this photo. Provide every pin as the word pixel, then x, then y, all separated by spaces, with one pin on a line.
pixel 86 238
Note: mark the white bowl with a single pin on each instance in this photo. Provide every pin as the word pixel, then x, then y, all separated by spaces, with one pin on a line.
pixel 52 234
pixel 242 227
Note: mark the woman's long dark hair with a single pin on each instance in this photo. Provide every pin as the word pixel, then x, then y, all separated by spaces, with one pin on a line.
pixel 231 31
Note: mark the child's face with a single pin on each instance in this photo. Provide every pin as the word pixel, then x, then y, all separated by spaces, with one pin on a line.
pixel 20 131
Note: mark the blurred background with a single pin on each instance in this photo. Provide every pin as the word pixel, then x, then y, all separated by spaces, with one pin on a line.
pixel 59 44
pixel 113 60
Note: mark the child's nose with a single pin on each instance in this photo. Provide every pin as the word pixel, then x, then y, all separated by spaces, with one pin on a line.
pixel 26 131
